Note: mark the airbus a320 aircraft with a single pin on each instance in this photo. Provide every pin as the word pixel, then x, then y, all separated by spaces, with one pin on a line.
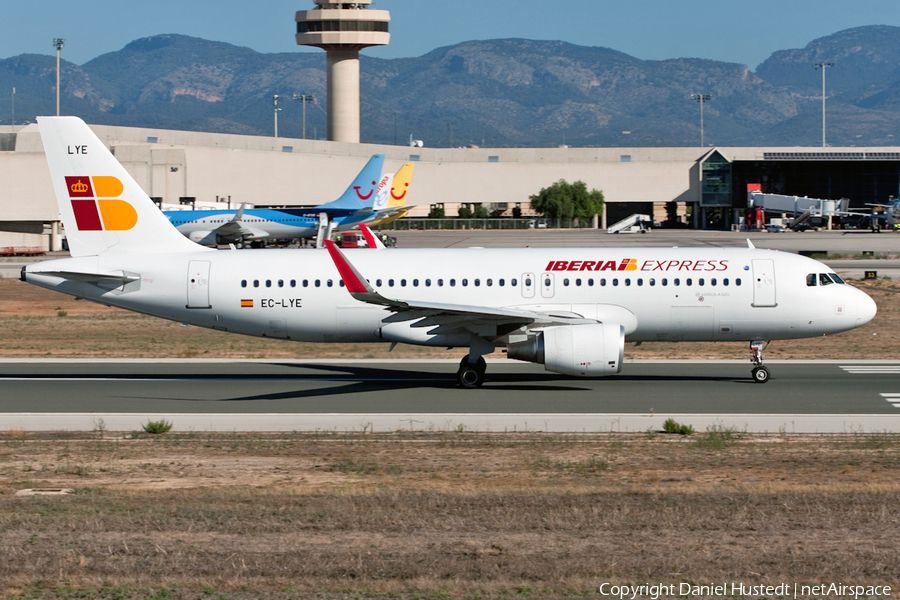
pixel 569 309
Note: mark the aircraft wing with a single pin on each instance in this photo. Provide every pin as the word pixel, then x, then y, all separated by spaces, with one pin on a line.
pixel 445 317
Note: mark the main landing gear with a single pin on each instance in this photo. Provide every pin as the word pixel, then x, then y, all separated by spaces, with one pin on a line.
pixel 759 372
pixel 471 375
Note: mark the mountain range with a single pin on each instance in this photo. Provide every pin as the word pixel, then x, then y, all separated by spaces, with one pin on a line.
pixel 497 93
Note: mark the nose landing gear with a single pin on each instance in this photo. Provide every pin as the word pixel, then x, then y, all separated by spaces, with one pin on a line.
pixel 759 372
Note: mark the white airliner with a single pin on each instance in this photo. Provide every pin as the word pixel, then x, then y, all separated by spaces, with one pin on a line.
pixel 571 309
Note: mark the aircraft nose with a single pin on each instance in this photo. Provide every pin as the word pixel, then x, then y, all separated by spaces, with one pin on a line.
pixel 865 308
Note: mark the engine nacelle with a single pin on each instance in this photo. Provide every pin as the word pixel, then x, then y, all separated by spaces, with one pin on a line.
pixel 204 238
pixel 593 350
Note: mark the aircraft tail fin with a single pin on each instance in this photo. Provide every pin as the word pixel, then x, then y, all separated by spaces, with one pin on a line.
pixel 400 186
pixel 361 193
pixel 102 207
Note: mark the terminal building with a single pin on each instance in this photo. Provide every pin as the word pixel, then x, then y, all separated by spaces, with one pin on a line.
pixel 224 170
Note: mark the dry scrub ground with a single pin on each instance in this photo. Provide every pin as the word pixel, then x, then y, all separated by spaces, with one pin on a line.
pixel 441 515
pixel 35 322
pixel 446 515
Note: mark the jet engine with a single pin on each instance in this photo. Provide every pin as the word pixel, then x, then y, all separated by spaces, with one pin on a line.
pixel 592 350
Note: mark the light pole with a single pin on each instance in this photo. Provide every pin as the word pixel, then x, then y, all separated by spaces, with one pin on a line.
pixel 275 104
pixel 823 66
pixel 14 106
pixel 59 43
pixel 701 98
pixel 304 98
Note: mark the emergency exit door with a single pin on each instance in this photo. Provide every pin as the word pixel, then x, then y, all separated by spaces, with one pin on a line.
pixel 198 284
pixel 764 282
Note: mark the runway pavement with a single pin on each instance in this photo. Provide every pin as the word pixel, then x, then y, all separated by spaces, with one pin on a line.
pixel 825 396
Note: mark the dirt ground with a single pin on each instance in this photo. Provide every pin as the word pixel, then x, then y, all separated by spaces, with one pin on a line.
pixel 442 515
pixel 36 322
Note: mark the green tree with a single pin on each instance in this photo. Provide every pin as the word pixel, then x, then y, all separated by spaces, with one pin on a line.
pixel 564 200
pixel 517 212
pixel 437 212
pixel 464 212
pixel 480 212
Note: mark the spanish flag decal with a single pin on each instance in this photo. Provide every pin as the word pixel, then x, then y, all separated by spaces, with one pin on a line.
pixel 246 303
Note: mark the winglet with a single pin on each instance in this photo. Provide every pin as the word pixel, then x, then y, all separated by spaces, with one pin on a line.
pixel 371 239
pixel 750 244
pixel 356 284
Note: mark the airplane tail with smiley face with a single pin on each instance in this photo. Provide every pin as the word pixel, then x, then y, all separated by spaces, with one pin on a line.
pixel 359 196
pixel 103 208
pixel 395 204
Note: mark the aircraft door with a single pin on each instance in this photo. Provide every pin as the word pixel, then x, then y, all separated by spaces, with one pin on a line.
pixel 547 285
pixel 764 282
pixel 198 284
pixel 528 285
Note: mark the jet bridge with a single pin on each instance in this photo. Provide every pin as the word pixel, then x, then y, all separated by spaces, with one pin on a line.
pixel 802 208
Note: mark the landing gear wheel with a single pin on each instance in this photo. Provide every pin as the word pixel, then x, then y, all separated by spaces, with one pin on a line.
pixel 471 375
pixel 760 374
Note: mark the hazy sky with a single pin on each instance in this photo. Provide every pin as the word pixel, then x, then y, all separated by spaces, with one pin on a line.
pixel 743 32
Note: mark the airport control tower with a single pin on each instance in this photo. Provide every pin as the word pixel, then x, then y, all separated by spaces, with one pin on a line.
pixel 342 29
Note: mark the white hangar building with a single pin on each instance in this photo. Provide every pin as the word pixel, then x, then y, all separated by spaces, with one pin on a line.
pixel 265 171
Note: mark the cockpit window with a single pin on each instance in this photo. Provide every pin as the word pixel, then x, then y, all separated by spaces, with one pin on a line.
pixel 811 280
pixel 824 279
pixel 836 278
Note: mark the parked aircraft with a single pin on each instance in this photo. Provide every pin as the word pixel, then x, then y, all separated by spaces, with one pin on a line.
pixel 570 309
pixel 219 227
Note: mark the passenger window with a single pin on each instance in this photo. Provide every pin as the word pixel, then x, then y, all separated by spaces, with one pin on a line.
pixel 615 281
pixel 676 281
pixel 402 283
pixel 547 282
pixel 565 282
pixel 256 283
pixel 712 281
pixel 268 283
pixel 415 283
pixel 427 283
pixel 627 281
pixel 603 282
pixel 652 282
pixel 591 282
pixel 281 283
pixel 665 282
pixel 737 281
pixel 465 282
pixel 341 283
pixel 701 281
pixel 689 281
pixel 640 282
pixel 452 282
pixel 377 283
pixel 477 282
pixel 489 282
pixel 391 282
pixel 501 282
pixel 440 283
pixel 578 282
pixel 293 283
pixel 329 283
pixel 811 280
pixel 318 283
pixel 528 281
pixel 824 279
pixel 243 283
pixel 306 283
pixel 514 282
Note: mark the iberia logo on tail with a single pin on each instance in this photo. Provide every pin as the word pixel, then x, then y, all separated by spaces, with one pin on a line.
pixel 95 201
